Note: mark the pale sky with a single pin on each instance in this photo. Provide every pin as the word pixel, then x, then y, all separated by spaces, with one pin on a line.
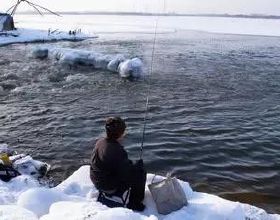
pixel 179 6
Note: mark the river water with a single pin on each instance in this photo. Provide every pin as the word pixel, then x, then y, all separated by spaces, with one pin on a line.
pixel 214 106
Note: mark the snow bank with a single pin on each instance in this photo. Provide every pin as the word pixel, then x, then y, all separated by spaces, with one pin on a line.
pixel 31 35
pixel 12 212
pixel 32 200
pixel 75 199
pixel 127 68
pixel 26 165
pixel 9 192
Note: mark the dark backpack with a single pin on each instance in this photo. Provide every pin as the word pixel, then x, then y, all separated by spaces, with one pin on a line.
pixel 7 173
pixel 114 200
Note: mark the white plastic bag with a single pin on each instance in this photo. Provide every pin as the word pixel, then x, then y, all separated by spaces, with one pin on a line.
pixel 168 195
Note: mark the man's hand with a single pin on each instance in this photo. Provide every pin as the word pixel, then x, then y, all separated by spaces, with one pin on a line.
pixel 139 163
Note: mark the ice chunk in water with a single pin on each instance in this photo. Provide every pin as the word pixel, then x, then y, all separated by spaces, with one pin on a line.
pixel 131 68
pixel 113 66
pixel 40 52
pixel 102 61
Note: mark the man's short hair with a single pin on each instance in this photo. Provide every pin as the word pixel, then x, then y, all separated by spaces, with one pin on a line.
pixel 115 127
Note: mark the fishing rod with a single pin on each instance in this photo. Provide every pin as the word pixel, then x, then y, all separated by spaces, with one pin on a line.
pixel 149 86
pixel 148 93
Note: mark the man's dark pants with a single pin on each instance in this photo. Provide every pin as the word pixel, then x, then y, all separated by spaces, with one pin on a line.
pixel 136 183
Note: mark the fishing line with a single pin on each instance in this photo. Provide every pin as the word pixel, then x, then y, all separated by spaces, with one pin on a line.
pixel 149 89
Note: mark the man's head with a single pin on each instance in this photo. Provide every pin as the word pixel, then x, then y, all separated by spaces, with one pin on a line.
pixel 115 127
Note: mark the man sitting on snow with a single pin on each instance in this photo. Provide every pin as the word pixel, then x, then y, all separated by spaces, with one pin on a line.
pixel 112 172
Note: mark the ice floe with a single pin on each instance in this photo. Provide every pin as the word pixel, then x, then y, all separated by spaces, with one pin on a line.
pixel 131 68
pixel 127 68
pixel 32 35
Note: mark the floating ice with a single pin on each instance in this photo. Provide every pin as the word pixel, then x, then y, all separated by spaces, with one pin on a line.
pixel 131 68
pixel 40 53
pixel 30 35
pixel 127 68
pixel 113 65
pixel 101 62
pixel 75 58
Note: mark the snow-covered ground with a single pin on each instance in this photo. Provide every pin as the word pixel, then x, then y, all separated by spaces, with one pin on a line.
pixel 75 199
pixel 31 35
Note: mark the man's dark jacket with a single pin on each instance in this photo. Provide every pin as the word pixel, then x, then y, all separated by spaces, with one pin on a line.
pixel 110 165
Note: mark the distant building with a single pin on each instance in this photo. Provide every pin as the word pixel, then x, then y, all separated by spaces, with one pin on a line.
pixel 6 22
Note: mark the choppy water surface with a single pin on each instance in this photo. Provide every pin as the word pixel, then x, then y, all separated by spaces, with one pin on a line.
pixel 213 118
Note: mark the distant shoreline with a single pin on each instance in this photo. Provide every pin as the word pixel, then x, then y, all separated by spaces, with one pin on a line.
pixel 253 16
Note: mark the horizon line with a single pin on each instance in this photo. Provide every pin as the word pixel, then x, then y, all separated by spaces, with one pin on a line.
pixel 253 15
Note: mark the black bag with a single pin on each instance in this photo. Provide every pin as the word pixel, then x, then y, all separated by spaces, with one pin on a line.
pixel 7 173
pixel 114 200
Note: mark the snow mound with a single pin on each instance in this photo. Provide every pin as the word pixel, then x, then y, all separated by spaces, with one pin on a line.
pixel 12 212
pixel 120 213
pixel 127 68
pixel 32 200
pixel 79 210
pixel 75 199
pixel 26 165
pixel 91 211
pixel 9 192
